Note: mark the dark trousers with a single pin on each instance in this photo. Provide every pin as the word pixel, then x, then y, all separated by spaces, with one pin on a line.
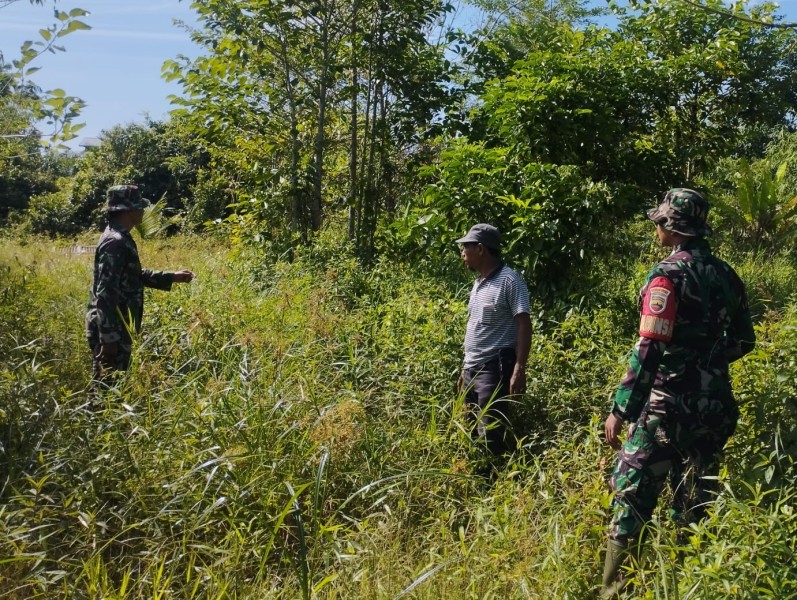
pixel 486 400
pixel 102 371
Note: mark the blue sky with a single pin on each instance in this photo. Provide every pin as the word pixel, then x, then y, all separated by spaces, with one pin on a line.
pixel 116 66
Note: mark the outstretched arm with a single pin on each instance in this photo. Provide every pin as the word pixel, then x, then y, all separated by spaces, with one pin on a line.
pixel 163 280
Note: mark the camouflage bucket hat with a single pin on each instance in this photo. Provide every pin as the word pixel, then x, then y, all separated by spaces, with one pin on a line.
pixel 682 211
pixel 125 197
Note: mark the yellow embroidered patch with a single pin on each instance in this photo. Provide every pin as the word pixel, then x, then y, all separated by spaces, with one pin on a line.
pixel 656 325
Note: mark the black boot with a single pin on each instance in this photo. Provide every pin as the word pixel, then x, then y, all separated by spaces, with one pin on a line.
pixel 616 553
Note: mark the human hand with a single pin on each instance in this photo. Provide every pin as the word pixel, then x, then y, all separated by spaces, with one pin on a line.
pixel 517 383
pixel 460 382
pixel 612 429
pixel 184 276
pixel 108 353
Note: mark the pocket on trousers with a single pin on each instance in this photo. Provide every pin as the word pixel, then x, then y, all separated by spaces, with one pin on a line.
pixel 641 443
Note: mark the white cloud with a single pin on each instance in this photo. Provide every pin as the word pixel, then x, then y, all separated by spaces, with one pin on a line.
pixel 133 34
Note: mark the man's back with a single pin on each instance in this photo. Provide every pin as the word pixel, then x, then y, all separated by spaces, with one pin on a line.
pixel 712 325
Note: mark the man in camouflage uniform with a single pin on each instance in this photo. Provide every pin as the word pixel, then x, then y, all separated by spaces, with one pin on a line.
pixel 676 393
pixel 116 303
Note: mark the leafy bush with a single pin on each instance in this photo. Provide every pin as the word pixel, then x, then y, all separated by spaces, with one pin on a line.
pixel 762 211
pixel 52 213
pixel 548 214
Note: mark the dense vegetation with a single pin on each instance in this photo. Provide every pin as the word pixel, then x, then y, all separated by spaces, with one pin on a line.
pixel 289 427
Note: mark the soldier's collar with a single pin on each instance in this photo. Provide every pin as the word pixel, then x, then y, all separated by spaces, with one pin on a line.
pixel 118 227
pixel 695 243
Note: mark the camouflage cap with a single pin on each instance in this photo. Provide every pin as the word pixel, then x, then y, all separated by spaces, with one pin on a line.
pixel 682 211
pixel 125 197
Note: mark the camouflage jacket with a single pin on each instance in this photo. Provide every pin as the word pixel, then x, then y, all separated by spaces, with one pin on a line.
pixel 695 320
pixel 116 303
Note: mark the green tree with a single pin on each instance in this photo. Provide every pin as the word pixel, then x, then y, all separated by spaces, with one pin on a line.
pixel 398 86
pixel 161 157
pixel 720 79
pixel 282 83
pixel 591 123
pixel 756 199
pixel 25 109
pixel 53 109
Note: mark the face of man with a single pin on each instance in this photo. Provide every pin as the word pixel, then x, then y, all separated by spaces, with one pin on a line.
pixel 661 234
pixel 127 218
pixel 668 238
pixel 471 254
pixel 137 216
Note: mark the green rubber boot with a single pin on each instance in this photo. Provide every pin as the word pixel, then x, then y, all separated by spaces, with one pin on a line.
pixel 616 552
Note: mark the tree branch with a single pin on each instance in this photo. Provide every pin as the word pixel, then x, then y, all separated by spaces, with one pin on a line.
pixel 725 13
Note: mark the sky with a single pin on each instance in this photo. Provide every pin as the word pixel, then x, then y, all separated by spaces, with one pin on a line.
pixel 116 66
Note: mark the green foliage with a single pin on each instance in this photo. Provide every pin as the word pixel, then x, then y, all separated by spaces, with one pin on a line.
pixel 53 108
pixel 548 214
pixel 754 200
pixel 768 398
pixel 53 213
pixel 718 81
pixel 289 426
pixel 154 221
pixel 25 169
pixel 771 280
pixel 312 108
pixel 25 108
pixel 655 102
pixel 762 206
pixel 572 136
pixel 586 101
pixel 762 212
pixel 291 429
pixel 161 157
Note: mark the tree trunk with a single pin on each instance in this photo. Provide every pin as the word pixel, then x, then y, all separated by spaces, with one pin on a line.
pixel 353 216
pixel 320 138
pixel 297 221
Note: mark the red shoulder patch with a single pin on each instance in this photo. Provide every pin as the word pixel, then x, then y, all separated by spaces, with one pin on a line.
pixel 658 310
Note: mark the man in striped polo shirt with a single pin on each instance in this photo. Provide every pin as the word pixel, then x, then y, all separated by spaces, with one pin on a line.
pixel 497 339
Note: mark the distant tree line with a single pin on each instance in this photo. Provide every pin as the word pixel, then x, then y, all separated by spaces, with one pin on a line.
pixel 385 118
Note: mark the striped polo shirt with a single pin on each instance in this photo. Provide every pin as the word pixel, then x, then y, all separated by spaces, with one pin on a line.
pixel 494 302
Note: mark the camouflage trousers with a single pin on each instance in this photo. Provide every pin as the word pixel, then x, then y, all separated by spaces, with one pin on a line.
pixel 675 439
pixel 101 370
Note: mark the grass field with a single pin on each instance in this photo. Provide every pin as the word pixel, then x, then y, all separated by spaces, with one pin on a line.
pixel 291 430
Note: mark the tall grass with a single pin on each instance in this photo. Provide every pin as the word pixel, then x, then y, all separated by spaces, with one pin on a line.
pixel 291 430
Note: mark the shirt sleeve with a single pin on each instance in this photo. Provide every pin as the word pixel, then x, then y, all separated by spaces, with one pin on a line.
pixel 160 280
pixel 657 321
pixel 740 335
pixel 517 295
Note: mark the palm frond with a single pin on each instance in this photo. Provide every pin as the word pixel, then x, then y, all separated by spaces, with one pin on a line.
pixel 154 221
